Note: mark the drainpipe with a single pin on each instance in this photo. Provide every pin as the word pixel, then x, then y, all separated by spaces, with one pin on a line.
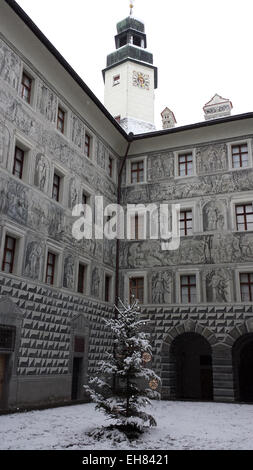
pixel 130 140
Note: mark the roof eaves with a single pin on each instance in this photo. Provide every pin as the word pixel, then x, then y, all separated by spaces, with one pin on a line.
pixel 38 33
pixel 188 127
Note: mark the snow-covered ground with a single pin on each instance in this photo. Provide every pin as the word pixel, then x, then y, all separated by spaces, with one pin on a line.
pixel 181 425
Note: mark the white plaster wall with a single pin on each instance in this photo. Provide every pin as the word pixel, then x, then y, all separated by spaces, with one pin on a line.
pixel 126 99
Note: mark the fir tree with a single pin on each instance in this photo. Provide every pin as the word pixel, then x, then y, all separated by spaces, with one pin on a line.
pixel 126 384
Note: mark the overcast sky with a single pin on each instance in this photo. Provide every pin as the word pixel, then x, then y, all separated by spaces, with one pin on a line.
pixel 200 47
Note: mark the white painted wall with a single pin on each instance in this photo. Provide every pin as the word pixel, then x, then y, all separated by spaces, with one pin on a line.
pixel 126 99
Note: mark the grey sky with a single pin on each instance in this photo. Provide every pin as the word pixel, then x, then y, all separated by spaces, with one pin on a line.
pixel 200 48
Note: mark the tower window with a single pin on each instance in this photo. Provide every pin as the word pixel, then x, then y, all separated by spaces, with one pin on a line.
pixel 123 41
pixel 26 88
pixel 116 80
pixel 137 41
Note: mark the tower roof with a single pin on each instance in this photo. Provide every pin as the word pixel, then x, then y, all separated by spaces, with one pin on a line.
pixel 131 44
pixel 130 23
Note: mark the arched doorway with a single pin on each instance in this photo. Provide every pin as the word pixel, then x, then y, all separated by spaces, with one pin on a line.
pixel 192 357
pixel 243 368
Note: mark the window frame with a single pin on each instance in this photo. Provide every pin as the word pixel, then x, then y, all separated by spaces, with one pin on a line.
pixel 61 173
pixel 23 86
pixel 62 121
pixel 136 274
pixel 109 274
pixel 21 162
pixel 248 284
pixel 89 145
pixel 181 153
pixel 131 161
pixel 188 285
pixel 19 235
pixel 58 271
pixel 87 264
pixel 185 220
pixel 230 156
pixel 244 214
pixel 8 250
pixel 114 81
pixel 29 74
pixel 54 255
pixel 241 269
pixel 188 272
pixel 26 147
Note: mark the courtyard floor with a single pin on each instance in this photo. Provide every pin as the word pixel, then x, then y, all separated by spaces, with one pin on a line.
pixel 181 425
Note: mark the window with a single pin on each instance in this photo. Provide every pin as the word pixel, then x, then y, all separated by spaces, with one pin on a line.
pixel 26 88
pixel 110 167
pixel 240 155
pixel 18 164
pixel 137 41
pixel 137 227
pixel 50 269
pixel 60 120
pixel 81 278
pixel 123 41
pixel 246 285
pixel 108 281
pixel 84 198
pixel 244 217
pixel 7 338
pixel 188 289
pixel 137 172
pixel 9 254
pixel 87 145
pixel 116 80
pixel 185 164
pixel 56 187
pixel 136 288
pixel 186 222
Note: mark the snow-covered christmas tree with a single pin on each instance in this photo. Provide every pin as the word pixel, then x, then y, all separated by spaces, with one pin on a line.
pixel 126 384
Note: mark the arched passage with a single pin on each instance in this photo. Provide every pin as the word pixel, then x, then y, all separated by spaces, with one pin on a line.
pixel 192 357
pixel 243 368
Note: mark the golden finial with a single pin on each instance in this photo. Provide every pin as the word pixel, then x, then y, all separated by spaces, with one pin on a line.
pixel 131 7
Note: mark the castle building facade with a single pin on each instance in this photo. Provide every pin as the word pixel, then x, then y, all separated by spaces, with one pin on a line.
pixel 59 147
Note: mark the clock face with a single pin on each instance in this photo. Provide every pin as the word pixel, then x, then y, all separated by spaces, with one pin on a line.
pixel 141 80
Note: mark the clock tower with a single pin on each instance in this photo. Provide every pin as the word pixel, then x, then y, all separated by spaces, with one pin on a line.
pixel 131 78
